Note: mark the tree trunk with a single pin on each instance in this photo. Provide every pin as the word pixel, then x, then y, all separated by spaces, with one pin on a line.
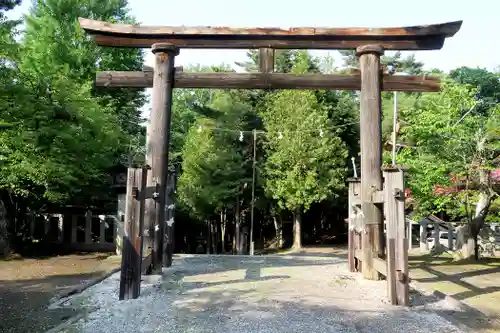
pixel 209 237
pixel 235 239
pixel 237 232
pixel 223 230
pixel 470 246
pixel 5 246
pixel 297 241
pixel 278 231
pixel 213 228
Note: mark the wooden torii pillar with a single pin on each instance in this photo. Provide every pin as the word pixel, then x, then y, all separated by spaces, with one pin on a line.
pixel 369 43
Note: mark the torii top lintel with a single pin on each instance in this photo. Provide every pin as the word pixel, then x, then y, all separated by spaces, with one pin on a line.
pixel 424 37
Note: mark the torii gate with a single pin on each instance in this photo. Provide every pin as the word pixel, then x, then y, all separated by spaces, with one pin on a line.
pixel 165 43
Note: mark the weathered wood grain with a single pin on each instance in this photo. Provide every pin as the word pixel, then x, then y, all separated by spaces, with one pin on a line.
pixel 159 140
pixel 424 37
pixel 371 155
pixel 266 60
pixel 130 266
pixel 223 80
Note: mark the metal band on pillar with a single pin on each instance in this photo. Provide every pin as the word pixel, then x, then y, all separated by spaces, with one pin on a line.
pixel 169 220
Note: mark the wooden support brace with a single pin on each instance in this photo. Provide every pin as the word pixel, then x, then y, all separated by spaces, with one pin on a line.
pixel 378 197
pixel 391 271
pixel 131 259
pixel 140 231
pixel 396 232
pixel 150 192
pixel 351 251
pixel 266 60
pixel 354 222
pixel 403 279
pixel 380 265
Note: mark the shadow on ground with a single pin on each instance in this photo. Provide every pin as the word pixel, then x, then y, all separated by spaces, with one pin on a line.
pixel 467 318
pixel 297 316
pixel 27 286
pixel 216 264
pixel 23 304
pixel 229 310
pixel 332 251
pixel 42 255
pixel 429 264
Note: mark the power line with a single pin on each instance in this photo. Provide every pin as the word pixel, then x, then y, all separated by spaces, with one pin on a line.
pixel 230 130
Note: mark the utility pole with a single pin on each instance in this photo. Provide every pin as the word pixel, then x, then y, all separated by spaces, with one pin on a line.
pixel 253 191
pixel 394 125
pixel 392 71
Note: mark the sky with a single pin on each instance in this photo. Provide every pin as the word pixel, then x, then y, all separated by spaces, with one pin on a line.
pixel 477 44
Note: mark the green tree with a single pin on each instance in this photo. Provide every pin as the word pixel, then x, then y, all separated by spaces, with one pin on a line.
pixel 305 157
pixel 66 136
pixel 56 45
pixel 56 50
pixel 399 63
pixel 6 5
pixel 486 83
pixel 214 160
pixel 453 140
pixel 188 106
pixel 10 94
pixel 284 61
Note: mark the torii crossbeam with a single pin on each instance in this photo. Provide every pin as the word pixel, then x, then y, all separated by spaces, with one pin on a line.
pixel 423 37
pixel 369 44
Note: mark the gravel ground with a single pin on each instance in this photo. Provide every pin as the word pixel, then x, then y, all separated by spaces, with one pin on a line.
pixel 28 285
pixel 235 294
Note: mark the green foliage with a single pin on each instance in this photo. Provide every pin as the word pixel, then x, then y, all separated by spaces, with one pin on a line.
pixel 188 106
pixel 54 44
pixel 65 136
pixel 295 171
pixel 303 165
pixel 213 165
pixel 401 65
pixel 60 136
pixel 451 138
pixel 6 5
pixel 284 61
pixel 486 83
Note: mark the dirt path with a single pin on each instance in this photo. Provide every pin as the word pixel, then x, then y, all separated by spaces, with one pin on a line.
pixel 27 286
